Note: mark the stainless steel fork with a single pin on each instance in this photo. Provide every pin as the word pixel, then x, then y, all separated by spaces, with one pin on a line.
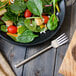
pixel 62 39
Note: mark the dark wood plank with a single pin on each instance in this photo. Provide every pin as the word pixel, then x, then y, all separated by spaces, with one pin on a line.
pixel 70 2
pixel 14 54
pixel 62 50
pixel 73 20
pixel 4 46
pixel 17 55
pixel 42 65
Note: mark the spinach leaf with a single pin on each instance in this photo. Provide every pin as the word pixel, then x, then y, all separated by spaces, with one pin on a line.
pixel 2 4
pixel 38 29
pixel 5 17
pixel 1 22
pixel 29 25
pixel 21 26
pixel 54 6
pixel 9 16
pixel 26 37
pixel 35 6
pixel 56 1
pixel 18 6
pixel 3 28
pixel 20 22
pixel 52 23
pixel 47 10
pixel 45 2
pixel 21 29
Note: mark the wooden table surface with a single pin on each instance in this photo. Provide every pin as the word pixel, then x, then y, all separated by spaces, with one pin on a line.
pixel 48 63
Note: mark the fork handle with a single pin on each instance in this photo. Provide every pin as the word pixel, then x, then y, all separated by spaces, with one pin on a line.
pixel 32 57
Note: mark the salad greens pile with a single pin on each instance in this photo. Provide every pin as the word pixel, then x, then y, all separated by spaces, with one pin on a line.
pixel 18 6
pixel 23 19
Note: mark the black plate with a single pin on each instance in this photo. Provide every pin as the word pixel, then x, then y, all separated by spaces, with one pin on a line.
pixel 43 37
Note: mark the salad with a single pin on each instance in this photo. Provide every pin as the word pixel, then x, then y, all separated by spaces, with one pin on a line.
pixel 22 20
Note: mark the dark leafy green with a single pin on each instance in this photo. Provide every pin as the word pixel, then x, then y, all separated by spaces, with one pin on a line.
pixel 53 22
pixel 21 29
pixel 30 25
pixel 18 6
pixel 9 16
pixel 26 37
pixel 1 22
pixel 2 4
pixel 21 26
pixel 21 22
pixel 47 10
pixel 35 6
pixel 38 29
pixel 45 2
pixel 3 28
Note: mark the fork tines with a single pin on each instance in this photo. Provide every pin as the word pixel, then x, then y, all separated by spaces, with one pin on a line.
pixel 62 39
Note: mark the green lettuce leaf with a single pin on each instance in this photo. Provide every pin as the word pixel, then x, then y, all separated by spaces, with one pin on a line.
pixel 21 22
pixel 2 4
pixel 29 25
pixel 21 29
pixel 18 6
pixel 1 22
pixel 35 6
pixel 9 16
pixel 3 28
pixel 26 37
pixel 52 23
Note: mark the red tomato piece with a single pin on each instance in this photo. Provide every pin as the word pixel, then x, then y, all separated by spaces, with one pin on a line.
pixel 27 13
pixel 45 18
pixel 12 29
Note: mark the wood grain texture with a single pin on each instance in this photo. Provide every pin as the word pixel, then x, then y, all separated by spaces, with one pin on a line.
pixel 4 67
pixel 68 67
pixel 17 54
pixel 14 54
pixel 42 65
pixel 70 2
pixel 1 73
pixel 73 20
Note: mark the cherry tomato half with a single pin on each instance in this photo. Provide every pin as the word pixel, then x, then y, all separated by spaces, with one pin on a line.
pixel 12 29
pixel 27 13
pixel 45 18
